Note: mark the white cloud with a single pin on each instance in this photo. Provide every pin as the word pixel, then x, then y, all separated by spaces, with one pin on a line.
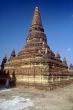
pixel 69 49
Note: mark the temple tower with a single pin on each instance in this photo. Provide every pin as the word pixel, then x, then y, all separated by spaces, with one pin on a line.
pixel 36 61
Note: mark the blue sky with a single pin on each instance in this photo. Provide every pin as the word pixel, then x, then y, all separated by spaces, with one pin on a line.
pixel 57 17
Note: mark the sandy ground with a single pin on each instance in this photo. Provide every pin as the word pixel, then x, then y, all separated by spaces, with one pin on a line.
pixel 33 99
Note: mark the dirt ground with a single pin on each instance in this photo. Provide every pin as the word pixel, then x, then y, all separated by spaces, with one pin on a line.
pixel 21 98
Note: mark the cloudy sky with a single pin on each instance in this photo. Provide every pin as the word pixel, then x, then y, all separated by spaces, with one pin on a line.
pixel 57 18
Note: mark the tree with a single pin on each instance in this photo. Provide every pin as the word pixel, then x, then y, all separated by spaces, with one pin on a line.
pixel 3 62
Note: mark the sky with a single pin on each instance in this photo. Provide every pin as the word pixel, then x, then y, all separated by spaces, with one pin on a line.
pixel 57 18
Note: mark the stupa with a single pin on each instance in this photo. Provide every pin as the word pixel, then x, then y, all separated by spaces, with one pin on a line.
pixel 36 61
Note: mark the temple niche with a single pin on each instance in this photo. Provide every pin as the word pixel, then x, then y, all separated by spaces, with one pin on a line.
pixel 36 62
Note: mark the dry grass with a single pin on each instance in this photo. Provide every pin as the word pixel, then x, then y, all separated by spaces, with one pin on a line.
pixel 58 99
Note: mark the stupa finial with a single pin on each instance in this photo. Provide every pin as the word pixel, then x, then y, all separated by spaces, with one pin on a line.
pixel 37 18
pixel 36 8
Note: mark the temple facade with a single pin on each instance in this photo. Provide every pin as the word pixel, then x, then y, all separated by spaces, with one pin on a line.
pixel 36 62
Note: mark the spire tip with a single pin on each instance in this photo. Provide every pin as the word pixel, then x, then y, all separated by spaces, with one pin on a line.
pixel 36 8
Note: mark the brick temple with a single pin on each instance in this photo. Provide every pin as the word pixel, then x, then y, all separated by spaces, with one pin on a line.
pixel 36 62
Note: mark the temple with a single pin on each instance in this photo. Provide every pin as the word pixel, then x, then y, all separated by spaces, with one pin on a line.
pixel 36 62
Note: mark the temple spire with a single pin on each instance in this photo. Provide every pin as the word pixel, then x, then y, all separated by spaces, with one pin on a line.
pixel 36 18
